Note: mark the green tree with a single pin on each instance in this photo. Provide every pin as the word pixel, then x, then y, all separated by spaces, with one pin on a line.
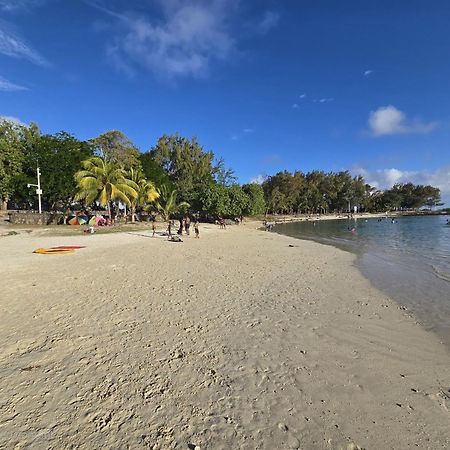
pixel 431 196
pixel 146 191
pixel 257 203
pixel 59 157
pixel 118 148
pixel 153 171
pixel 186 163
pixel 223 175
pixel 167 204
pixel 104 181
pixel 214 199
pixel 238 201
pixel 11 159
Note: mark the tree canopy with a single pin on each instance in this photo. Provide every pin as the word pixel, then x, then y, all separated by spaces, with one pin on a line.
pixel 111 168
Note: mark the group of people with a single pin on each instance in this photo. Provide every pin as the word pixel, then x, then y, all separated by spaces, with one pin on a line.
pixel 185 224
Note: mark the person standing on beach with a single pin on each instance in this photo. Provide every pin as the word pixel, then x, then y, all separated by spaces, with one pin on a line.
pixel 169 228
pixel 196 229
pixel 187 224
pixel 153 228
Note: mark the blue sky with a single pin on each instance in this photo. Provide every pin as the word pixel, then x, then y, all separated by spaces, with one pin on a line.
pixel 268 85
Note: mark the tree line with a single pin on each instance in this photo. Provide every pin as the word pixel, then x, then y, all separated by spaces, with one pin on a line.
pixel 320 192
pixel 177 174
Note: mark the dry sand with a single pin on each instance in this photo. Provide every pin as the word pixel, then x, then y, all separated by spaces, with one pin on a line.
pixel 232 341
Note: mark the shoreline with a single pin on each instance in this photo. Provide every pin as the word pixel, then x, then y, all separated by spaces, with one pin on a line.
pixel 239 339
pixel 417 311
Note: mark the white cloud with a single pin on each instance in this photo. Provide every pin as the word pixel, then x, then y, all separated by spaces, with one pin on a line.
pixel 11 45
pixel 302 96
pixel 188 37
pixel 295 105
pixel 7 86
pixel 323 100
pixel 259 179
pixel 183 40
pixel 388 120
pixel 248 130
pixel 367 73
pixel 386 178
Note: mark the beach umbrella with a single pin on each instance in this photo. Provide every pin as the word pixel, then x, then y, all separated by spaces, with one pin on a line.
pixel 83 219
pixel 72 219
pixel 93 220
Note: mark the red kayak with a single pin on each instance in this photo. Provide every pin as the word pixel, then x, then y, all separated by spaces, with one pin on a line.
pixel 67 247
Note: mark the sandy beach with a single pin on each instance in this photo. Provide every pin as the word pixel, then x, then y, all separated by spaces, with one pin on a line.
pixel 241 339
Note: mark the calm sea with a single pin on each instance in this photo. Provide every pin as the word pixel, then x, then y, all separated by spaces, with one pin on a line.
pixel 409 260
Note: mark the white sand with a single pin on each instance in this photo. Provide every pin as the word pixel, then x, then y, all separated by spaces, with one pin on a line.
pixel 235 340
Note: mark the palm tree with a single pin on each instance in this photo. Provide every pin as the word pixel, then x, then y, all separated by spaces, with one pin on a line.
pixel 104 181
pixel 167 203
pixel 146 190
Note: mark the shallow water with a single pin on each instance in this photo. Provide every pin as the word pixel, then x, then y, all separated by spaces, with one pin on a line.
pixel 409 259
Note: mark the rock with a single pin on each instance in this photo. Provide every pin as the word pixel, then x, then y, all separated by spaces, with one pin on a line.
pixel 282 426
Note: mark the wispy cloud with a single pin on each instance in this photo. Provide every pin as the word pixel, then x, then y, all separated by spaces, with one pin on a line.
pixel 7 86
pixel 268 22
pixel 15 47
pixel 368 73
pixel 237 136
pixel 295 105
pixel 325 100
pixel 18 5
pixel 182 41
pixel 303 98
pixel 388 120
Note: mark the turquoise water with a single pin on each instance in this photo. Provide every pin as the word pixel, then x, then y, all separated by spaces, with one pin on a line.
pixel 409 260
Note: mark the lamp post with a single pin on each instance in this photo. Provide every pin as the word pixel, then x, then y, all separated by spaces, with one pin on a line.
pixel 38 188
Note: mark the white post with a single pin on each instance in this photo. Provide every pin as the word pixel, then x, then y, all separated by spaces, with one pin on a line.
pixel 38 190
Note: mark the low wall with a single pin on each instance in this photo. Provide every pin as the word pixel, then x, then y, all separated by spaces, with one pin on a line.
pixel 34 218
